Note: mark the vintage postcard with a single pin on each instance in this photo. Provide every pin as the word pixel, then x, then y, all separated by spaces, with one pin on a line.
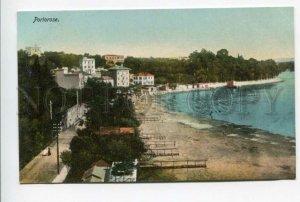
pixel 172 95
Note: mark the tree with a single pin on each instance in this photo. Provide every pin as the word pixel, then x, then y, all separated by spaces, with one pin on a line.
pixel 89 146
pixel 123 168
pixel 35 80
pixel 283 66
pixel 66 157
pixel 99 61
pixel 222 53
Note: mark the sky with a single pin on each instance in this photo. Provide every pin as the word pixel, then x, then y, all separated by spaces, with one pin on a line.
pixel 261 33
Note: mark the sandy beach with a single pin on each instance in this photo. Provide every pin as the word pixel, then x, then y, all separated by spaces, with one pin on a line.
pixel 233 152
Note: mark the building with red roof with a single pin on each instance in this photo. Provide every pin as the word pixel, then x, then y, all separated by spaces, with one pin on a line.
pixel 115 131
pixel 144 79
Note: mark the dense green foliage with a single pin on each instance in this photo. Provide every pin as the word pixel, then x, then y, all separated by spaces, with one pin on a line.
pixel 66 157
pixel 283 66
pixel 204 66
pixel 36 88
pixel 123 168
pixel 106 108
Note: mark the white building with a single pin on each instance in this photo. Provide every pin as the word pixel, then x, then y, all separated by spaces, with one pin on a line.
pixel 75 114
pixel 124 178
pixel 69 80
pixel 120 75
pixel 144 79
pixel 66 70
pixel 87 65
pixel 33 50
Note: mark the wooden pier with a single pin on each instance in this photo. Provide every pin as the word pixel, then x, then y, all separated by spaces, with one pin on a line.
pixel 162 143
pixel 152 137
pixel 150 134
pixel 201 163
pixel 149 118
pixel 162 152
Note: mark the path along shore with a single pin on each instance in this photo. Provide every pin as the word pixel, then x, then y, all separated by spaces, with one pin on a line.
pixel 234 152
pixel 205 86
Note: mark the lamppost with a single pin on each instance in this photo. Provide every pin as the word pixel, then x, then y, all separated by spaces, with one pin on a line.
pixel 56 128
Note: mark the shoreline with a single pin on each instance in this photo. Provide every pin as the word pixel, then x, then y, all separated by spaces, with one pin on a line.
pixel 178 104
pixel 207 86
pixel 212 121
pixel 234 152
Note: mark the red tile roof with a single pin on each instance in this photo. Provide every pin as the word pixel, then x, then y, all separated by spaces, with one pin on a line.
pixel 127 130
pixel 116 131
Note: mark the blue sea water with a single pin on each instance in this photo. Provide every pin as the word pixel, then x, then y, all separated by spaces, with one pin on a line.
pixel 269 107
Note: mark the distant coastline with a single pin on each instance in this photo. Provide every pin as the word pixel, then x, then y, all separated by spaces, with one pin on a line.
pixel 206 86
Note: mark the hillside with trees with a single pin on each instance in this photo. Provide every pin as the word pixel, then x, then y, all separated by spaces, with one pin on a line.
pixel 61 59
pixel 36 88
pixel 204 66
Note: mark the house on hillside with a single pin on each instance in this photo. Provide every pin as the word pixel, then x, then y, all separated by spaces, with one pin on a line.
pixel 68 80
pixel 114 58
pixel 120 74
pixel 144 79
pixel 35 50
pixel 87 65
pixel 99 172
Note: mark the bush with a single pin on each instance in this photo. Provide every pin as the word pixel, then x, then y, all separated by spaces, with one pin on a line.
pixel 66 157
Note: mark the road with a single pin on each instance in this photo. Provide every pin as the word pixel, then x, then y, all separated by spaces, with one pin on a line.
pixel 43 169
